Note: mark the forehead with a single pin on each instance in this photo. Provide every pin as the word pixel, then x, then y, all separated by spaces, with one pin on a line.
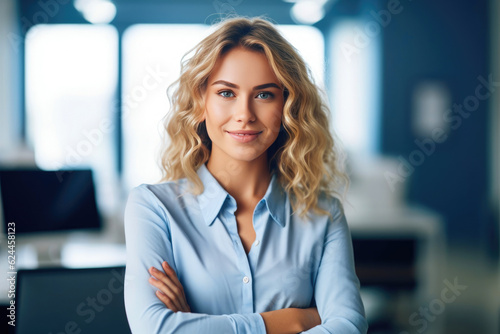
pixel 243 66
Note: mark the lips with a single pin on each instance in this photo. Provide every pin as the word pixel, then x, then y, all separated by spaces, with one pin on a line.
pixel 244 132
pixel 244 136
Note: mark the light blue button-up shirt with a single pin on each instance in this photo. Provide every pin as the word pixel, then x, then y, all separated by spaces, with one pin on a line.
pixel 293 262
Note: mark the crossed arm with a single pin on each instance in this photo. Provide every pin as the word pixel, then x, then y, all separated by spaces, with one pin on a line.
pixel 289 320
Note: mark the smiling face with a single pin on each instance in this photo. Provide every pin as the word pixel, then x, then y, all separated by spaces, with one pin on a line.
pixel 243 106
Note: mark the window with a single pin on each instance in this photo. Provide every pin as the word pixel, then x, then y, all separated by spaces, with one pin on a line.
pixel 354 86
pixel 309 41
pixel 71 77
pixel 151 62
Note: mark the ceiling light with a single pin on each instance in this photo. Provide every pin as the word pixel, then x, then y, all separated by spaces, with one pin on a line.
pixel 96 11
pixel 308 11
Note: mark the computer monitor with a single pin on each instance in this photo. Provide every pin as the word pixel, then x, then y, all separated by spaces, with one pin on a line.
pixel 38 201
pixel 46 208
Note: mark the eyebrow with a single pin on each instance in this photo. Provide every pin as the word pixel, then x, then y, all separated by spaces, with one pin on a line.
pixel 232 85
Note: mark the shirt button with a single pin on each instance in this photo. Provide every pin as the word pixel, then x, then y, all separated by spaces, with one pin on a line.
pixel 246 279
pixel 257 242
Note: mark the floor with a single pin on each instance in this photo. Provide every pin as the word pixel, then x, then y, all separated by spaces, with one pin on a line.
pixel 477 310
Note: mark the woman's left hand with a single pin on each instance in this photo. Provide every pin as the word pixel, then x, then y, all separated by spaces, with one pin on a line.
pixel 170 292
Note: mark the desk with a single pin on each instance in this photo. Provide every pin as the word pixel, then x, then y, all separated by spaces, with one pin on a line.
pixel 400 249
pixel 73 255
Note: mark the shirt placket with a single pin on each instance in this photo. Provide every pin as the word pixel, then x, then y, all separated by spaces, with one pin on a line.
pixel 243 263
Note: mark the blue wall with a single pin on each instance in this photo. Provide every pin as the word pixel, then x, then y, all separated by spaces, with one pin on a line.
pixel 446 41
pixel 449 41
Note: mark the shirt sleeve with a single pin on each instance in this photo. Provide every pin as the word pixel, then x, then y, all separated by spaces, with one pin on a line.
pixel 336 288
pixel 148 242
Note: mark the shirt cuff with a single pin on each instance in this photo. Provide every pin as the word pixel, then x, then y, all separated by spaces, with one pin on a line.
pixel 338 326
pixel 316 330
pixel 247 323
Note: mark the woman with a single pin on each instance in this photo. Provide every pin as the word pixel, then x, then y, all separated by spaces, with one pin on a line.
pixel 246 234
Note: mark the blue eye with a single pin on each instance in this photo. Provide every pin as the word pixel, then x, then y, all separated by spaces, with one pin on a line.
pixel 265 95
pixel 226 93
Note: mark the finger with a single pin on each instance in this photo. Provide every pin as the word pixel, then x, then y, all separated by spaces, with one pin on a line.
pixel 167 280
pixel 173 301
pixel 167 301
pixel 173 276
pixel 171 279
pixel 170 292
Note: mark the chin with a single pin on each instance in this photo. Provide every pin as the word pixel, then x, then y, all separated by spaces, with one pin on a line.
pixel 247 157
pixel 244 158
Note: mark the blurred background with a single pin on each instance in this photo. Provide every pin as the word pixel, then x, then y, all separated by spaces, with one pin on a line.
pixel 414 92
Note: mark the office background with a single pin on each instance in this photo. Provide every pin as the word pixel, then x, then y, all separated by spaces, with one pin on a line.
pixel 413 87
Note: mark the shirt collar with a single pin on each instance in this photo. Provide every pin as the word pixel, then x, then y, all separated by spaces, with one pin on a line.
pixel 214 195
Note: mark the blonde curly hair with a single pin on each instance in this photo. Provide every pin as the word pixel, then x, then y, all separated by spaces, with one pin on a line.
pixel 305 156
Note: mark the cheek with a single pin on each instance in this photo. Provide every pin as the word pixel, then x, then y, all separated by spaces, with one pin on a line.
pixel 275 115
pixel 216 113
pixel 274 120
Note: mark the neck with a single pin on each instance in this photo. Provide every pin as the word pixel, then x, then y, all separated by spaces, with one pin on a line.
pixel 246 181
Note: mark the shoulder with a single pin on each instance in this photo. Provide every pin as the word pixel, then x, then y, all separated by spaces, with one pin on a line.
pixel 154 204
pixel 331 204
pixel 165 193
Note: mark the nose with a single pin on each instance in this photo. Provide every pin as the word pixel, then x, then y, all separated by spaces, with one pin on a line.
pixel 244 111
